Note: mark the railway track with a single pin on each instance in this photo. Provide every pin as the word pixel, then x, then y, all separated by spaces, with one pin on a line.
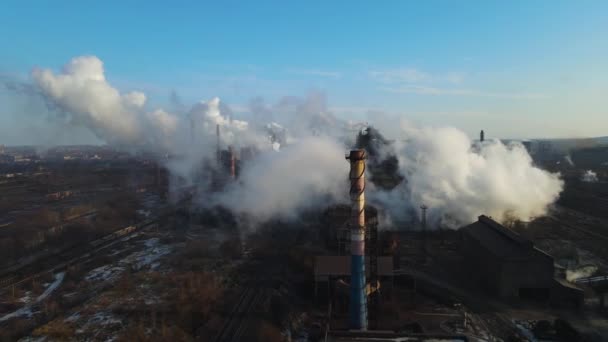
pixel 235 327
pixel 74 255
pixel 586 231
pixel 67 258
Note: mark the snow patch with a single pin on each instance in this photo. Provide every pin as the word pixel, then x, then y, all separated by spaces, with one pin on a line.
pixel 73 317
pixel 104 273
pixel 58 280
pixel 104 319
pixel 27 309
pixel 135 261
pixel 27 298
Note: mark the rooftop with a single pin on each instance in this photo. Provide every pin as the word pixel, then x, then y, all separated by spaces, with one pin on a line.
pixel 499 240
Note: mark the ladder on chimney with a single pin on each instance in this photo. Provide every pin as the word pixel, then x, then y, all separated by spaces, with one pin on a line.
pixel 373 299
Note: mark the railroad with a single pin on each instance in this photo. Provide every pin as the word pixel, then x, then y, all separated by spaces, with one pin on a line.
pixel 47 253
pixel 579 229
pixel 63 259
pixel 236 324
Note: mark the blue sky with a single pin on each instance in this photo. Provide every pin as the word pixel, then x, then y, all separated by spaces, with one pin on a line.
pixel 516 68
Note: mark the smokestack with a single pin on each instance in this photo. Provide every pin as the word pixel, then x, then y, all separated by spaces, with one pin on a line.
pixel 218 153
pixel 423 209
pixel 232 161
pixel 358 296
pixel 481 136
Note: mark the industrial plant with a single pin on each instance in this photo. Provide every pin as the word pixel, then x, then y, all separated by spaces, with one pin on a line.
pixel 399 171
pixel 188 267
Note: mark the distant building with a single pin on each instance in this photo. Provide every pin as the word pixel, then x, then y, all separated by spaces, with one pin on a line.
pixel 6 159
pixel 508 265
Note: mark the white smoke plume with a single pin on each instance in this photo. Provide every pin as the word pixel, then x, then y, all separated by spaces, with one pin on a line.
pixel 569 160
pixel 581 272
pixel 589 177
pixel 81 90
pixel 458 181
pixel 443 170
pixel 308 174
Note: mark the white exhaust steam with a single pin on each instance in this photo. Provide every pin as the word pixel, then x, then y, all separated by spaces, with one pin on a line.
pixel 581 272
pixel 589 177
pixel 443 170
pixel 459 181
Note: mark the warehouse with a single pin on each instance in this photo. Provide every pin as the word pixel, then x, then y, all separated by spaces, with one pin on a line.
pixel 508 265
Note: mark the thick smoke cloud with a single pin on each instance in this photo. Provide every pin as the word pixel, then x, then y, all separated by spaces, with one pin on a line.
pixel 459 181
pixel 308 174
pixel 81 89
pixel 301 163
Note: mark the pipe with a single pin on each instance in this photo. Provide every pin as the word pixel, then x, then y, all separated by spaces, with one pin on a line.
pixel 358 296
pixel 232 162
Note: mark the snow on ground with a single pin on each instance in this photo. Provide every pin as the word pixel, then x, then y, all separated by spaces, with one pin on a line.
pixel 27 298
pixel 148 257
pixel 73 317
pixel 27 309
pixel 58 280
pixel 135 261
pixel 102 321
pixel 104 273
pixel 24 311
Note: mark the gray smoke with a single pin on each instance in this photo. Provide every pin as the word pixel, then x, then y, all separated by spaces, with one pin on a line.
pixel 310 173
pixel 442 168
pixel 459 181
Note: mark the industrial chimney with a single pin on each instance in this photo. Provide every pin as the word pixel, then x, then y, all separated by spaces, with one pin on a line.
pixel 425 249
pixel 358 296
pixel 232 163
pixel 482 136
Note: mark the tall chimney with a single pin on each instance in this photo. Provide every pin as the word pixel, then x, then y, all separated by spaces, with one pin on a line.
pixel 481 136
pixel 425 249
pixel 232 161
pixel 358 296
pixel 423 209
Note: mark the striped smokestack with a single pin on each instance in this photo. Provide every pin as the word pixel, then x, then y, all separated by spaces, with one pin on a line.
pixel 358 297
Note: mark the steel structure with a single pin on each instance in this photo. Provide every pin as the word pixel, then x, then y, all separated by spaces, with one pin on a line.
pixel 371 249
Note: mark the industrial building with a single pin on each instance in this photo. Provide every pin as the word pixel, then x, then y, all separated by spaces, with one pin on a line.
pixel 508 265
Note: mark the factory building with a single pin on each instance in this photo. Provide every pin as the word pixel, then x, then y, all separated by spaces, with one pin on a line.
pixel 508 265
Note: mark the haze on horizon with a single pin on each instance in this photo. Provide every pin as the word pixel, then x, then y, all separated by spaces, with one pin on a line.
pixel 533 71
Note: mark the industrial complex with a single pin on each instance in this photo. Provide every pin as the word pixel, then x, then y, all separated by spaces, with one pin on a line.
pixel 122 249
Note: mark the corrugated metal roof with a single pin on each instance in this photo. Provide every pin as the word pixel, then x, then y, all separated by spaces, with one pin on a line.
pixel 499 240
